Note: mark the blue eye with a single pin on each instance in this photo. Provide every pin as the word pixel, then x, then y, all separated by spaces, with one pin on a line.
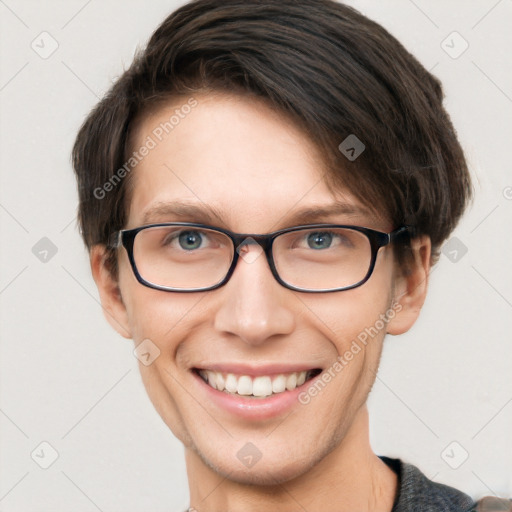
pixel 190 240
pixel 319 240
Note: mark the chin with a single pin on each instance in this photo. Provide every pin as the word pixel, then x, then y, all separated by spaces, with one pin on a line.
pixel 268 471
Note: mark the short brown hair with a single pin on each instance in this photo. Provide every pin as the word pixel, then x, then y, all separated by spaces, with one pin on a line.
pixel 323 64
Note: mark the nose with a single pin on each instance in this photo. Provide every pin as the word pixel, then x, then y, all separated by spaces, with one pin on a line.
pixel 254 306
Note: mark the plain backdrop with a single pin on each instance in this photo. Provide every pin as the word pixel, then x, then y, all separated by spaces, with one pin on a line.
pixel 443 398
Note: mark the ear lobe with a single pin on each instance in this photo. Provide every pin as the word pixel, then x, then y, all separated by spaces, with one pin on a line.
pixel 114 309
pixel 411 289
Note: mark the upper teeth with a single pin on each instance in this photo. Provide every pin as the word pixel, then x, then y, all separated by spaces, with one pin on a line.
pixel 256 386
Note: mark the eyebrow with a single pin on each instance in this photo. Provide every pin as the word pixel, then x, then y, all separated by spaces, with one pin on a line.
pixel 206 214
pixel 318 214
pixel 201 213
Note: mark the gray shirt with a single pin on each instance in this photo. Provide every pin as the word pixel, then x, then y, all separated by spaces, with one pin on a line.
pixel 416 493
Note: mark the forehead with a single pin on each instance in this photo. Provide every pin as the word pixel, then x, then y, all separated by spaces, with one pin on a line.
pixel 242 164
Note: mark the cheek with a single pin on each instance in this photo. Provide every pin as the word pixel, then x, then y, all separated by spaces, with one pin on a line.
pixel 354 322
pixel 354 327
pixel 152 314
pixel 351 315
pixel 158 322
pixel 162 317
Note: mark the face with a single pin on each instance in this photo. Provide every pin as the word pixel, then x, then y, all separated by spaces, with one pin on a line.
pixel 235 164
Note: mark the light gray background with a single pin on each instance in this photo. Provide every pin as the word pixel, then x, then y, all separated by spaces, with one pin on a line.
pixel 66 378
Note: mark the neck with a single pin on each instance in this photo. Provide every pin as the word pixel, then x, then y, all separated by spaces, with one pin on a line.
pixel 351 477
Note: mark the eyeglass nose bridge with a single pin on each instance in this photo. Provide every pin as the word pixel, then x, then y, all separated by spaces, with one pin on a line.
pixel 263 243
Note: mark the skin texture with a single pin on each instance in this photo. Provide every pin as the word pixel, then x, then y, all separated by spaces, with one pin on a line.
pixel 254 171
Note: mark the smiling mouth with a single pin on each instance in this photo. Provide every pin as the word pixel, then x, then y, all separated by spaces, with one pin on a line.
pixel 257 387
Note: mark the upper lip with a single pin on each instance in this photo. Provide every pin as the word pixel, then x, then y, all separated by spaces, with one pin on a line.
pixel 256 370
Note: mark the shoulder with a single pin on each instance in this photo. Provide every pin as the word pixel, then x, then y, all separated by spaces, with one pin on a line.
pixel 416 492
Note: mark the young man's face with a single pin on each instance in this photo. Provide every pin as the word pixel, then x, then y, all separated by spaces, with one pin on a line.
pixel 245 169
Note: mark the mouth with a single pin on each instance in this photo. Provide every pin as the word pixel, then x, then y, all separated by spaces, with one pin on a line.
pixel 260 386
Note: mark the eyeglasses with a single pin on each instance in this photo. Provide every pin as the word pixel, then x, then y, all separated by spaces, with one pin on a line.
pixel 189 257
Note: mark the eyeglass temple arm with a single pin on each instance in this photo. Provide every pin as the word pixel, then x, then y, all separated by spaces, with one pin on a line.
pixel 115 240
pixel 408 231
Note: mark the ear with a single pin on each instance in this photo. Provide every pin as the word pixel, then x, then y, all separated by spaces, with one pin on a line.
pixel 110 294
pixel 410 287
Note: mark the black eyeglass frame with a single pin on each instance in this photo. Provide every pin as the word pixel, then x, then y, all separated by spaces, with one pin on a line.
pixel 377 239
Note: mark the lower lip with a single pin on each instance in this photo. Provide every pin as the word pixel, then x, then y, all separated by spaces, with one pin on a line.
pixel 253 408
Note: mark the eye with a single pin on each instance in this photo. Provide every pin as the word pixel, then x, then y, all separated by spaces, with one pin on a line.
pixel 319 240
pixel 190 240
